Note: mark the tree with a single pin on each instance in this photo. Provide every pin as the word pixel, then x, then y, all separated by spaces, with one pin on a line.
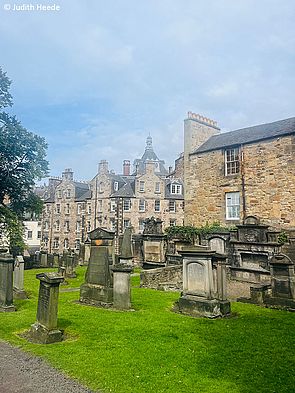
pixel 22 162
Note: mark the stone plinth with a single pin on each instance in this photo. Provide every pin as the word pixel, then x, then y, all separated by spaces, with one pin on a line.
pixel 204 285
pixel 18 278
pixel 44 330
pixel 6 282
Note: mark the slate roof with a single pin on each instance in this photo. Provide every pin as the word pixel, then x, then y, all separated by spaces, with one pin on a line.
pixel 248 135
pixel 124 192
pixel 83 196
pixel 150 155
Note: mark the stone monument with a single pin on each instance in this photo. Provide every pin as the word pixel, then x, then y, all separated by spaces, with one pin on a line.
pixel 98 286
pixel 69 266
pixel 44 330
pixel 6 281
pixel 154 243
pixel 122 291
pixel 204 284
pixel 18 278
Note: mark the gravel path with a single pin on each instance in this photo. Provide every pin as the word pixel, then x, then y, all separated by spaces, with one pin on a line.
pixel 21 372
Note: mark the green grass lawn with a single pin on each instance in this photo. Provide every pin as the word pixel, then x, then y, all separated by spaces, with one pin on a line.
pixel 155 350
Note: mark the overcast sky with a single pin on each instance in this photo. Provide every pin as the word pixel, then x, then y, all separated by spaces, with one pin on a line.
pixel 96 77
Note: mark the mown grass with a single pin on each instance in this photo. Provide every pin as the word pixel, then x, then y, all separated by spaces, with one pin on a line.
pixel 153 349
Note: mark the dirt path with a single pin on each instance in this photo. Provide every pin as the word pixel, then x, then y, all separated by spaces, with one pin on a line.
pixel 21 372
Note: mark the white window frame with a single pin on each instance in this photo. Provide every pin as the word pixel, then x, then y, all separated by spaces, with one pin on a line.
pixel 157 187
pixel 57 225
pixel 172 208
pixel 232 205
pixel 68 208
pixel 126 223
pixel 67 226
pixel 57 208
pixel 141 187
pixel 232 161
pixel 126 205
pixel 157 205
pixel 116 186
pixel 141 205
pixel 176 189
pixel 68 193
pixel 66 244
pixel 113 206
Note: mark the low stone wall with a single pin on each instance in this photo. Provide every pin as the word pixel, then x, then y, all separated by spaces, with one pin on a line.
pixel 165 279
pixel 239 281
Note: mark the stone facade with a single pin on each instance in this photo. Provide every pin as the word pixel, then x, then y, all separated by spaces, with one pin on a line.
pixel 237 174
pixel 110 201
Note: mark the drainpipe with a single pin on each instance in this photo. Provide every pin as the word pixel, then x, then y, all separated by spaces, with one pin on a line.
pixel 243 183
pixel 95 204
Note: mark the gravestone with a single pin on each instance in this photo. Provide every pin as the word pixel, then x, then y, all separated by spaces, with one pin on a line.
pixel 44 330
pixel 87 251
pixel 55 260
pixel 98 286
pixel 204 284
pixel 121 292
pixel 154 243
pixel 43 259
pixel 126 255
pixel 18 278
pixel 6 281
pixel 69 266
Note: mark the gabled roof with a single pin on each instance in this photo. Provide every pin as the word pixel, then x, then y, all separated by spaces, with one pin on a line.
pixel 124 192
pixel 249 135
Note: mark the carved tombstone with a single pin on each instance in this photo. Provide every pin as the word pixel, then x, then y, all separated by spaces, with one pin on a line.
pixel 98 286
pixel 204 284
pixel 154 242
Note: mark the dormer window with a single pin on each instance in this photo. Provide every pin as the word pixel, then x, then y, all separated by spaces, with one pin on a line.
pixel 116 186
pixel 176 189
pixel 232 161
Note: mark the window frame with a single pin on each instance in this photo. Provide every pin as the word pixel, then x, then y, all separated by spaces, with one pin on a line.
pixel 232 210
pixel 232 166
pixel 157 205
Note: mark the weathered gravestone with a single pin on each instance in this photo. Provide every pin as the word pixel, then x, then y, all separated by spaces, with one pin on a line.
pixel 44 330
pixel 69 265
pixel 204 284
pixel 154 243
pixel 43 259
pixel 121 292
pixel 18 278
pixel 98 286
pixel 282 272
pixel 6 281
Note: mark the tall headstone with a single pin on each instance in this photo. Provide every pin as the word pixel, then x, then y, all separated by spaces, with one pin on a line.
pixel 69 265
pixel 45 330
pixel 43 259
pixel 6 281
pixel 18 278
pixel 98 286
pixel 126 254
pixel 204 284
pixel 122 291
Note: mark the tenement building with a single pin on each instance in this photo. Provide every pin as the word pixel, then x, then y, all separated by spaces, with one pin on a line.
pixel 111 201
pixel 229 176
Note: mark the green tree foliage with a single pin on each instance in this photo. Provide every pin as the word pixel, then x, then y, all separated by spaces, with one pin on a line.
pixel 22 162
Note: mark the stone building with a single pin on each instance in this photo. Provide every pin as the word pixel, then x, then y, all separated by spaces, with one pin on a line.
pixel 111 201
pixel 246 172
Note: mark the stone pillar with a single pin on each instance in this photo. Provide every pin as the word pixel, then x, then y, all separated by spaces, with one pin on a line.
pixel 121 283
pixel 44 330
pixel 6 282
pixel 18 278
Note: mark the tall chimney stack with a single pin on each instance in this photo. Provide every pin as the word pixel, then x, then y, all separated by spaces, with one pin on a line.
pixel 126 168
